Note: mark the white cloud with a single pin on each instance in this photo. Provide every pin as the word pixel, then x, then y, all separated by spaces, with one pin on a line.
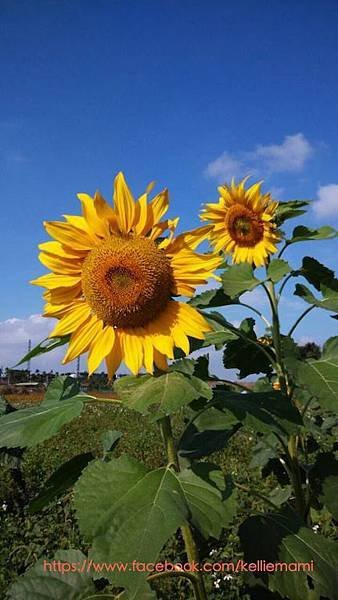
pixel 290 155
pixel 14 336
pixel 224 167
pixel 19 331
pixel 327 203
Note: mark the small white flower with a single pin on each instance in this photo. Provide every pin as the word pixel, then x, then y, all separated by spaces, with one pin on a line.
pixel 217 583
pixel 212 552
pixel 315 528
pixel 227 577
pixel 4 506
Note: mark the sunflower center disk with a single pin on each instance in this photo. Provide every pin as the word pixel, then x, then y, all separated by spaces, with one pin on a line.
pixel 127 281
pixel 245 226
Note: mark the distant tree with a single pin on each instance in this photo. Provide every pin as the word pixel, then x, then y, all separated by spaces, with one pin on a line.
pixel 310 350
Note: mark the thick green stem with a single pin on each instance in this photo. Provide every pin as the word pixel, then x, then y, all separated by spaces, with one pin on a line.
pixel 189 542
pixel 292 447
pixel 168 439
pixel 296 476
pixel 270 289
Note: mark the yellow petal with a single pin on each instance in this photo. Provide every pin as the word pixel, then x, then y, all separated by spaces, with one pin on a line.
pixel 61 266
pixel 180 339
pixel 61 251
pixel 63 295
pixel 160 360
pixel 95 223
pixel 192 321
pixel 132 351
pixel 158 230
pixel 78 222
pixel 82 338
pixel 57 310
pixel 143 216
pixel 159 206
pixel 72 320
pixel 148 354
pixel 192 239
pixel 114 358
pixel 51 281
pixel 124 204
pixel 69 235
pixel 150 187
pixel 100 348
pixel 172 224
pixel 160 330
pixel 104 210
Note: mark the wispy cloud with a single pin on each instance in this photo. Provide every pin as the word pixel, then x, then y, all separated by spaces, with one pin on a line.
pixel 290 155
pixel 327 203
pixel 224 167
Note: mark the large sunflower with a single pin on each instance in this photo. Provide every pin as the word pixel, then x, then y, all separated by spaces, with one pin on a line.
pixel 114 275
pixel 243 223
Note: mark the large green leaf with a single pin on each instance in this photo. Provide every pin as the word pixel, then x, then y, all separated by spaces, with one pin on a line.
pixel 183 365
pixel 45 346
pixel 40 584
pixel 277 269
pixel 164 394
pixel 193 366
pixel 101 485
pixel 291 358
pixel 60 481
pixel 264 412
pixel 302 234
pixel 212 298
pixel 130 513
pixel 329 300
pixel 324 481
pixel 209 417
pixel 196 442
pixel 281 537
pixel 220 337
pixel 320 377
pixel 238 279
pixel 61 388
pixel 109 440
pixel 33 425
pixel 289 210
pixel 210 497
pixel 264 450
pixel 315 272
pixel 236 352
pixel 223 330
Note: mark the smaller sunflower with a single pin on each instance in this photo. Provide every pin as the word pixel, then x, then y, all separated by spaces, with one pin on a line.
pixel 242 223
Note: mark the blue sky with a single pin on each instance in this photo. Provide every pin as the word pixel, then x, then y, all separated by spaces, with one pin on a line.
pixel 183 92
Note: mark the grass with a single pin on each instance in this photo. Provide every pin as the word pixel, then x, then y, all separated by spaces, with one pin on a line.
pixel 25 538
